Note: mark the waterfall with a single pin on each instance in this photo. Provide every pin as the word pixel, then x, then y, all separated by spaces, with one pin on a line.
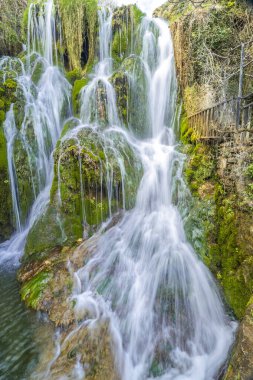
pixel 166 317
pixel 46 104
pixel 10 133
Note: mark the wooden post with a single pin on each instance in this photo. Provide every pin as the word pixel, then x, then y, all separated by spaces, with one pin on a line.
pixel 239 99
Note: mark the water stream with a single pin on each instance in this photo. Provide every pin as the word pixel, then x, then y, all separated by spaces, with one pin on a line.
pixel 165 313
pixel 166 317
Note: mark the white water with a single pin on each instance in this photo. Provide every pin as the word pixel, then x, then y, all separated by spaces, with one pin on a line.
pixel 44 104
pixel 165 314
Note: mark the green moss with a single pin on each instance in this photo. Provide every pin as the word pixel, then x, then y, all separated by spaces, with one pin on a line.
pixel 37 71
pixel 200 167
pixel 249 171
pixel 10 84
pixel 119 81
pixel 134 93
pixel 78 85
pixel 2 104
pixel 96 212
pixel 6 226
pixel 137 14
pixel 79 197
pixel 46 234
pixel 214 226
pixel 32 291
pixel 2 116
pixel 24 180
pixel 125 22
pixel 73 75
pixel 237 285
pixel 7 96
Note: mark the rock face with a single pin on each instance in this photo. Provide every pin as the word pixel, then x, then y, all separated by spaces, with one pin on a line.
pixel 92 349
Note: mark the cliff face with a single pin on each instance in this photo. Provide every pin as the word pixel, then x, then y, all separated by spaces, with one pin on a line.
pixel 207 41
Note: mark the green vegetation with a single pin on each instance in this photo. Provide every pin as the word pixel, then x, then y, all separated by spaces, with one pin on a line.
pixel 82 14
pixel 217 224
pixel 7 96
pixel 10 26
pixel 78 85
pixel 32 291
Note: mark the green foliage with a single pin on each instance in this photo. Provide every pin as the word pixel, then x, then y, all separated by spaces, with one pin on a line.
pixel 187 135
pixel 249 171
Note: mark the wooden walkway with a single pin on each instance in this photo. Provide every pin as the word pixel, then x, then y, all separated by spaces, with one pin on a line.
pixel 230 116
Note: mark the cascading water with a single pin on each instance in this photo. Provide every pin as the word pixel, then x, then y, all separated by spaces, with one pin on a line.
pixel 165 315
pixel 166 318
pixel 45 106
pixel 44 93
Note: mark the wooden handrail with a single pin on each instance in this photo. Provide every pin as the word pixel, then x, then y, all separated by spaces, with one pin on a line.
pixel 221 103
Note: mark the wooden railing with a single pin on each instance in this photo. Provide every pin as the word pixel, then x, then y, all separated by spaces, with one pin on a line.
pixel 234 115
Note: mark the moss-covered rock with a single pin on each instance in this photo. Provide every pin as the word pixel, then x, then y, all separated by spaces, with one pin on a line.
pixel 219 223
pixel 91 169
pixel 7 96
pixel 77 87
pixel 233 252
pixel 32 291
pixel 120 84
pixel 46 234
pixel 125 23
pixel 131 89
pixel 47 285
pixel 24 179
